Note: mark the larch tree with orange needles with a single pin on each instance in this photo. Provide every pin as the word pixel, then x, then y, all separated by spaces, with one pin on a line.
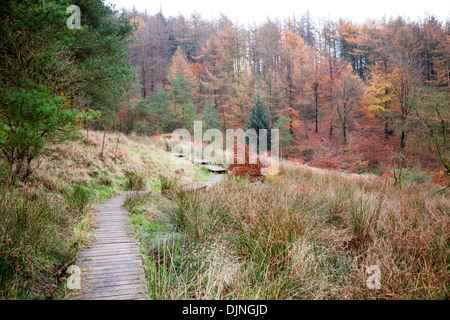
pixel 349 89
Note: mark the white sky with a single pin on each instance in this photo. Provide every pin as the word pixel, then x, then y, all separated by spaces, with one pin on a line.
pixel 249 11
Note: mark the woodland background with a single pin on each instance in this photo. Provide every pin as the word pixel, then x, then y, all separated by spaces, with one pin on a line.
pixel 345 95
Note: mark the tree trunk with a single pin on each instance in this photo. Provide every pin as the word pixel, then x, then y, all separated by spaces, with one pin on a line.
pixel 344 131
pixel 144 82
pixel 306 128
pixel 317 118
pixel 386 130
pixel 402 139
pixel 316 98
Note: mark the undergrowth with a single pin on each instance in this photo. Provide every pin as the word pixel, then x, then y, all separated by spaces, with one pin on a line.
pixel 303 233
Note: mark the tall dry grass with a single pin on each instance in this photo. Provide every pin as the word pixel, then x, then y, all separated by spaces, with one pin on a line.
pixel 307 234
pixel 33 246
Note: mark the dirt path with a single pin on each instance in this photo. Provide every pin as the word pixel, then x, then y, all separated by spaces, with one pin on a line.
pixel 112 269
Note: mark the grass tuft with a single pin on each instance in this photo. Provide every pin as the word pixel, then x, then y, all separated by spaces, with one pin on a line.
pixel 135 181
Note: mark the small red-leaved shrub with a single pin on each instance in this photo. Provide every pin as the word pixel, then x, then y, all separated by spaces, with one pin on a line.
pixel 246 169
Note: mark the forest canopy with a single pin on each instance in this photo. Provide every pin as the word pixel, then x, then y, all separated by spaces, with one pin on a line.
pixel 335 88
pixel 325 83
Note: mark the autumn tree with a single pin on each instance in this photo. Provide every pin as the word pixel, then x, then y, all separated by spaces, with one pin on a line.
pixel 330 65
pixel 434 51
pixel 348 35
pixel 349 89
pixel 182 83
pixel 296 60
pixel 408 94
pixel 437 124
pixel 381 95
pixel 140 55
pixel 224 77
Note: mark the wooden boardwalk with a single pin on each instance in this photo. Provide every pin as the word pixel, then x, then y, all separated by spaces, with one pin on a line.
pixel 112 268
pixel 207 185
pixel 178 155
pixel 199 161
pixel 216 169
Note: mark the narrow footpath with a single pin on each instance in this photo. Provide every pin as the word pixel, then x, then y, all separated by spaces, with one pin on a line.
pixel 112 269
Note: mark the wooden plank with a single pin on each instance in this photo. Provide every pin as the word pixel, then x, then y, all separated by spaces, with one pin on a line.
pixel 114 232
pixel 202 161
pixel 115 277
pixel 117 283
pixel 110 278
pixel 115 253
pixel 208 184
pixel 111 216
pixel 109 265
pixel 179 155
pixel 216 169
pixel 118 274
pixel 111 246
pixel 100 252
pixel 112 239
pixel 119 288
pixel 110 268
pixel 120 297
pixel 109 241
pixel 114 226
pixel 113 270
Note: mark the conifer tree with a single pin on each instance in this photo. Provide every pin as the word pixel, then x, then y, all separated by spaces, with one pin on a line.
pixel 258 118
pixel 160 109
pixel 210 116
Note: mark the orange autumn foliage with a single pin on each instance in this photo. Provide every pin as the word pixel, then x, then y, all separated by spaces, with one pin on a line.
pixel 246 169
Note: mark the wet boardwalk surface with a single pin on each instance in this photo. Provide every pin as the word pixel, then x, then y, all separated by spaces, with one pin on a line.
pixel 111 269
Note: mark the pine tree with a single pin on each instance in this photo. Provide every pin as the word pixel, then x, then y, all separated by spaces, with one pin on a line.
pixel 65 72
pixel 160 109
pixel 283 124
pixel 189 115
pixel 258 119
pixel 210 116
